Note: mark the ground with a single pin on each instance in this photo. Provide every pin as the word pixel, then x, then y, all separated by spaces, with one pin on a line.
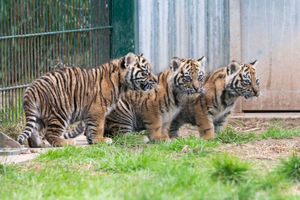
pixel 250 159
pixel 266 151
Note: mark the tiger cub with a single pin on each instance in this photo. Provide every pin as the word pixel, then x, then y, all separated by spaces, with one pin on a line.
pixel 155 110
pixel 222 88
pixel 72 94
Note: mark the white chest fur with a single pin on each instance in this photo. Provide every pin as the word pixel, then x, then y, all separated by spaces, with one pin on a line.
pixel 109 109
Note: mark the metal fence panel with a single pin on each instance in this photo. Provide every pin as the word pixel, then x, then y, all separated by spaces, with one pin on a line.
pixel 184 28
pixel 37 35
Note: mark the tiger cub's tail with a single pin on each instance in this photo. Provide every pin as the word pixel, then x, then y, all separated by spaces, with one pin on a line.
pixel 80 128
pixel 31 114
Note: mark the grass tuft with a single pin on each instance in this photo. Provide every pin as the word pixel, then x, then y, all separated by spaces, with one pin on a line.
pixel 290 168
pixel 134 139
pixel 2 169
pixel 230 136
pixel 229 169
pixel 196 145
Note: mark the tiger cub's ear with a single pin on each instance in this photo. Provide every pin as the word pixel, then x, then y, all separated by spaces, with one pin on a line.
pixel 202 59
pixel 233 67
pixel 254 63
pixel 129 59
pixel 175 63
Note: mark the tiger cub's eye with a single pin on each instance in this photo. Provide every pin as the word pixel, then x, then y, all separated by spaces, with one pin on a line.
pixel 247 82
pixel 257 81
pixel 200 77
pixel 145 70
pixel 187 78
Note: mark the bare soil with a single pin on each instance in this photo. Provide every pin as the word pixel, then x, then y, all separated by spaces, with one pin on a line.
pixel 247 125
pixel 267 152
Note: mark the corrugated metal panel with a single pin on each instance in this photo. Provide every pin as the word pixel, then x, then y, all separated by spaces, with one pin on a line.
pixel 183 28
pixel 271 34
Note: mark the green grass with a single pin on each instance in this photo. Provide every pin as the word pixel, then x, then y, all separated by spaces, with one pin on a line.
pixel 228 135
pixel 123 170
pixel 229 169
pixel 277 132
pixel 130 169
pixel 290 168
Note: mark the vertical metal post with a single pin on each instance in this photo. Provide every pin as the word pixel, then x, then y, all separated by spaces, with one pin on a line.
pixel 123 21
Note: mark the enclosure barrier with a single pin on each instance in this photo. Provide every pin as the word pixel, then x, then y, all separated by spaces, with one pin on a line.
pixel 37 36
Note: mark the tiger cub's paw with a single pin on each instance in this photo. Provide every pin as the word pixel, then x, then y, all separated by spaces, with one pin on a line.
pixel 69 142
pixel 145 139
pixel 108 140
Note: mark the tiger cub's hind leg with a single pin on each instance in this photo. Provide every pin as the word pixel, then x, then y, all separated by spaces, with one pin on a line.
pixel 34 141
pixel 95 130
pixel 54 130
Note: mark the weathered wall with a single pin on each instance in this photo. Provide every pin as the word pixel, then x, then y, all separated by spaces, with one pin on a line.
pixel 270 32
pixel 183 28
pixel 221 30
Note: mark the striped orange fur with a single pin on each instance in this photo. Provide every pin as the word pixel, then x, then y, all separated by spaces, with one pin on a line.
pixel 72 94
pixel 155 110
pixel 223 87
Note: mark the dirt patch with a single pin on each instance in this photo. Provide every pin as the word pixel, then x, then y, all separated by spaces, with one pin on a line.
pixel 260 125
pixel 247 125
pixel 268 152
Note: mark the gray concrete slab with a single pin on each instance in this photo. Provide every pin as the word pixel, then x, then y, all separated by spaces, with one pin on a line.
pixel 27 154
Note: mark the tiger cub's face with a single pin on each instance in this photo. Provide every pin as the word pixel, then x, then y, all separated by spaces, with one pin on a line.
pixel 244 82
pixel 188 75
pixel 138 73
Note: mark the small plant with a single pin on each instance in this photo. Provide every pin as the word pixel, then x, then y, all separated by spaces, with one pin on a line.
pixel 291 168
pixel 228 135
pixel 229 169
pixel 2 169
pixel 197 145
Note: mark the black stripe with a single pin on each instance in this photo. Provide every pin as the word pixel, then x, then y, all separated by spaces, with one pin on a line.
pixel 168 94
pixel 55 126
pixel 223 98
pixel 175 98
pixel 215 102
pixel 160 106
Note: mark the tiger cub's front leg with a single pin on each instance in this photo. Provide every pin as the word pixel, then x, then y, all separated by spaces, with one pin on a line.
pixel 155 130
pixel 95 127
pixel 205 126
